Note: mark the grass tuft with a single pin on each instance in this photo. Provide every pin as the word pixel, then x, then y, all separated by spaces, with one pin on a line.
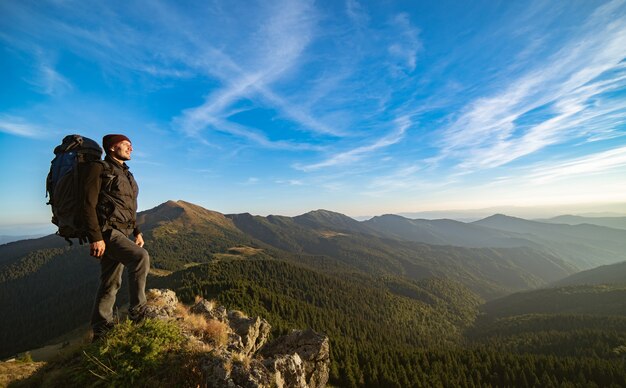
pixel 153 353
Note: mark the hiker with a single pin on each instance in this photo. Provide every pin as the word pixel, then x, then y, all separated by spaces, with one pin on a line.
pixel 110 212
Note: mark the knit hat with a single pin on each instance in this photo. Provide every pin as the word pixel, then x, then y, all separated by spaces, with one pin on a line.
pixel 109 141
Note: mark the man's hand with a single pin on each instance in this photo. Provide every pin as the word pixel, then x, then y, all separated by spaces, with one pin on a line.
pixel 96 248
pixel 139 240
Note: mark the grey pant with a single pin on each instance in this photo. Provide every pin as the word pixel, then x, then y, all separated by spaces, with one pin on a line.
pixel 120 251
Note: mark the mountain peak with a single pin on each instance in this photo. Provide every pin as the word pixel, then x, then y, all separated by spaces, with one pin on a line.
pixel 181 212
pixel 499 217
pixel 325 216
pixel 326 219
pixel 388 217
pixel 324 213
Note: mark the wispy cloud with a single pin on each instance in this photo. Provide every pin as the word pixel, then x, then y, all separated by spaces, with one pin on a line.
pixel 19 127
pixel 356 13
pixel 251 181
pixel 282 40
pixel 355 154
pixel 488 133
pixel 291 182
pixel 406 45
pixel 48 80
pixel 402 179
pixel 600 162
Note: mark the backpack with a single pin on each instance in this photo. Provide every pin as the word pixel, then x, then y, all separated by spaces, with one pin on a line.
pixel 64 187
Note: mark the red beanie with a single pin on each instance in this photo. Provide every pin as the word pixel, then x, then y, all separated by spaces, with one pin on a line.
pixel 109 141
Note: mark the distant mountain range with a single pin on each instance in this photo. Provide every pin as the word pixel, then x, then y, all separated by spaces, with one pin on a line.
pixel 488 271
pixel 428 273
pixel 614 274
pixel 8 239
pixel 609 222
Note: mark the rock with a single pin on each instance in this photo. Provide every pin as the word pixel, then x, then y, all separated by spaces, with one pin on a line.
pixel 162 304
pixel 253 333
pixel 253 375
pixel 206 308
pixel 288 370
pixel 223 369
pixel 314 350
pixel 216 370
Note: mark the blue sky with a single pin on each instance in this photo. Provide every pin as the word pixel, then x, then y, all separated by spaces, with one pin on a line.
pixel 285 106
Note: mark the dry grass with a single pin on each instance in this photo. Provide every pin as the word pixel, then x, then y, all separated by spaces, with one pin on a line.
pixel 212 304
pixel 217 332
pixel 159 272
pixel 181 310
pixel 209 305
pixel 228 366
pixel 330 234
pixel 12 371
pixel 238 314
pixel 195 324
pixel 243 360
pixel 244 251
pixel 208 330
pixel 153 294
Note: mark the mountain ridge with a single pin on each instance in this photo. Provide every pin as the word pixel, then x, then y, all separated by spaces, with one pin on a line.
pixel 616 222
pixel 586 245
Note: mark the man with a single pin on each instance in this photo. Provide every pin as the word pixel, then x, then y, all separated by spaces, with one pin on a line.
pixel 110 212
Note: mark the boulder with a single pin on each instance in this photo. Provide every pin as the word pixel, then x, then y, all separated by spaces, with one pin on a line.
pixel 312 348
pixel 206 308
pixel 252 332
pixel 162 304
pixel 288 370
pixel 222 369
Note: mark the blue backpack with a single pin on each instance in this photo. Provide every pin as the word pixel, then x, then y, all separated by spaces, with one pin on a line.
pixel 64 187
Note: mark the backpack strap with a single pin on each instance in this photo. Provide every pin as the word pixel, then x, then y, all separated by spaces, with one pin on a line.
pixel 107 176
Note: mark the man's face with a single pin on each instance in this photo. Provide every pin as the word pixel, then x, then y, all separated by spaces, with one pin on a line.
pixel 122 150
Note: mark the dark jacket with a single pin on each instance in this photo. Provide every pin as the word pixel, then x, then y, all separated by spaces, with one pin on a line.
pixel 110 198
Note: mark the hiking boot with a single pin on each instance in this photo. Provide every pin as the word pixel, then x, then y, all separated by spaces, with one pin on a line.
pixel 138 314
pixel 101 331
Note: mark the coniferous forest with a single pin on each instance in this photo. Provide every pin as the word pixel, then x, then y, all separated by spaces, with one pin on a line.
pixel 380 338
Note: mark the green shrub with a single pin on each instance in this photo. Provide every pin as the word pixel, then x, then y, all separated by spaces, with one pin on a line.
pixel 153 353
pixel 131 353
pixel 25 358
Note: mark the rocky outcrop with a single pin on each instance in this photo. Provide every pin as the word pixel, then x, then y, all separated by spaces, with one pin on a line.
pixel 307 348
pixel 245 358
pixel 162 304
pixel 250 333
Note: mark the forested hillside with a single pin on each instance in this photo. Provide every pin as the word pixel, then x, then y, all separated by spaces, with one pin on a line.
pixel 446 232
pixel 362 315
pixel 606 274
pixel 386 332
pixel 585 246
pixel 566 325
pixel 44 294
pixel 589 299
pixel 489 271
